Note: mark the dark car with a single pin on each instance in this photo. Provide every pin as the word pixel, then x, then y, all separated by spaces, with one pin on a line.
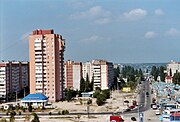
pixel 133 119
pixel 147 93
pixel 128 109
pixel 131 107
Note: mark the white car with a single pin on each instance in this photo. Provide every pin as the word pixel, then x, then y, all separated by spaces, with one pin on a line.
pixel 157 112
pixel 154 106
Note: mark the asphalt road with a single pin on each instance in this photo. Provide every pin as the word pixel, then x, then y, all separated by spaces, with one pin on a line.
pixel 144 102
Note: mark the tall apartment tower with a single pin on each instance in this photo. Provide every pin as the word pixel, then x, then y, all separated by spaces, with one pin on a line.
pixel 46 54
pixel 14 77
pixel 73 74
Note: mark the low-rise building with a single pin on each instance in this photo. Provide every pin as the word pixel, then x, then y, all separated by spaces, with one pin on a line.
pixel 36 100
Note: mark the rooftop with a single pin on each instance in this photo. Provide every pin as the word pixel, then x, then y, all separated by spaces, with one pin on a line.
pixel 35 97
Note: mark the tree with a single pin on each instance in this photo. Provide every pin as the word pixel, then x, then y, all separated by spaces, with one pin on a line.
pixel 161 73
pixel 92 84
pixel 170 72
pixel 155 72
pixel 176 78
pixel 69 94
pixel 36 118
pixel 87 84
pixel 106 93
pixel 12 118
pixel 100 100
pixel 82 85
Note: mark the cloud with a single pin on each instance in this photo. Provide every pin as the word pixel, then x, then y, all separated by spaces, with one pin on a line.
pixel 173 32
pixel 97 12
pixel 159 12
pixel 150 35
pixel 92 39
pixel 135 14
pixel 103 21
pixel 76 4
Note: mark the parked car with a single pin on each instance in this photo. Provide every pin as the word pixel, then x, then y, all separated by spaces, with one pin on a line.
pixel 128 109
pixel 154 107
pixel 131 107
pixel 157 112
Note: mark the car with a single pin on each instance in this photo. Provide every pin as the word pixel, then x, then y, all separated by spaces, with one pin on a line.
pixel 131 107
pixel 154 107
pixel 157 112
pixel 127 110
pixel 147 93
pixel 133 119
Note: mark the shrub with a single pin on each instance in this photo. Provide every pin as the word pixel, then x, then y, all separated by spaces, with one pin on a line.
pixel 19 112
pixel 7 113
pixel 36 118
pixel 64 112
pixel 97 92
pixel 89 101
pixel 59 113
pixel 100 100
pixel 23 109
pixel 50 113
pixel 30 108
pixel 3 120
pixel 12 113
pixel 106 93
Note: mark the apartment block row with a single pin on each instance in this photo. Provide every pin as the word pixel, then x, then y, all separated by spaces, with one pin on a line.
pixel 100 72
pixel 46 73
pixel 14 76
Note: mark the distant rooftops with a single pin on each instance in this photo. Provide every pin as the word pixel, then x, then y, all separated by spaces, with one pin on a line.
pixel 43 32
pixel 4 63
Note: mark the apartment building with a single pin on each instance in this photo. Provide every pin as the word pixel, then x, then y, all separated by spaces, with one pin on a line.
pixel 101 71
pixel 73 74
pixel 173 67
pixel 87 70
pixel 14 76
pixel 46 54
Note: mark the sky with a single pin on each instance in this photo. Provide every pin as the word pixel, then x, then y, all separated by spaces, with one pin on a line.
pixel 120 31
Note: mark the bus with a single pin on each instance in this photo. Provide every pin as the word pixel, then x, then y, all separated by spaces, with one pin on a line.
pixel 171 111
pixel 175 117
pixel 170 106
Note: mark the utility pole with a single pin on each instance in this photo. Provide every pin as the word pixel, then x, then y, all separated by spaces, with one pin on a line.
pixel 16 97
pixel 24 92
pixel 88 110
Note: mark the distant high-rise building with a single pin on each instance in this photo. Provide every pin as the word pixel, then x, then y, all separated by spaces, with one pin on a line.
pixel 73 74
pixel 100 72
pixel 46 54
pixel 14 77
